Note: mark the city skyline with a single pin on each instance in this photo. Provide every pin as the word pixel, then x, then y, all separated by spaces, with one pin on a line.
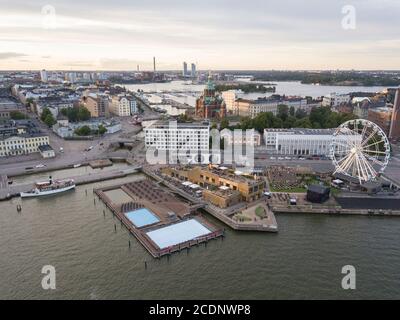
pixel 281 35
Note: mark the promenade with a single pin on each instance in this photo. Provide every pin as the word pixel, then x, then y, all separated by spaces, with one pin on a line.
pixel 9 191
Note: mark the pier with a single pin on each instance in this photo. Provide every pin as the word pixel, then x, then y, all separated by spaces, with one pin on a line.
pixel 7 192
pixel 141 200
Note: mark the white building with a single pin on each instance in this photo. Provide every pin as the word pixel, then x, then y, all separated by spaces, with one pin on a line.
pixel 22 144
pixel 299 141
pixel 43 76
pixel 230 97
pixel 122 105
pixel 66 129
pixel 334 100
pixel 193 70
pixel 176 136
pixel 252 137
pixel 185 69
pixel 251 108
pixel 46 151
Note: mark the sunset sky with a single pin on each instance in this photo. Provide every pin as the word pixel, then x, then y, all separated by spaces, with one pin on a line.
pixel 219 34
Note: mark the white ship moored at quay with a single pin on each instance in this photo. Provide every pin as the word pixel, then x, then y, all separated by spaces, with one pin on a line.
pixel 49 188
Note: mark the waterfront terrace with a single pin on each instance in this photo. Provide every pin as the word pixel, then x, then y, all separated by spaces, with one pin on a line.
pixel 214 177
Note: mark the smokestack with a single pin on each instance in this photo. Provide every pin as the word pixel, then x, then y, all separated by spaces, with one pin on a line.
pixel 154 64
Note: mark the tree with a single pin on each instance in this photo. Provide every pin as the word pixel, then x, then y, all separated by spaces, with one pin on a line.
pixel 291 111
pixel 28 102
pixel 224 124
pixel 83 114
pixel 83 131
pixel 300 113
pixel 102 129
pixel 283 111
pixel 64 112
pixel 45 112
pixel 49 120
pixel 16 115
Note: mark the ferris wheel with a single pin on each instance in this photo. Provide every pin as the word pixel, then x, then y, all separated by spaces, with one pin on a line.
pixel 360 149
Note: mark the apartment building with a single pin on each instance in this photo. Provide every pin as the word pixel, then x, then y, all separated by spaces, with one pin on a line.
pixel 251 108
pixel 382 117
pixel 333 99
pixel 123 105
pixel 176 136
pixel 97 104
pixel 230 97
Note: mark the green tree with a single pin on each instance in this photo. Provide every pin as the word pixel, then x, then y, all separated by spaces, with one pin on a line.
pixel 49 120
pixel 224 124
pixel 291 111
pixel 283 112
pixel 83 131
pixel 16 115
pixel 83 114
pixel 300 113
pixel 102 129
pixel 45 112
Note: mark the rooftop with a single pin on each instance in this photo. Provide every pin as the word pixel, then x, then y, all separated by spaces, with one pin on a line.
pixel 302 131
pixel 181 125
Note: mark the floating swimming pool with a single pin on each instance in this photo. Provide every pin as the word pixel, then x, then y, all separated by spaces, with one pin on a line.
pixel 142 217
pixel 178 233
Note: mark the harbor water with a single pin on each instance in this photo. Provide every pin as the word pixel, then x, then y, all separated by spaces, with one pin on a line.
pixel 93 259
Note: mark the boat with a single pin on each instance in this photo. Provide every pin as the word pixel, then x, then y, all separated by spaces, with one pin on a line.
pixel 49 188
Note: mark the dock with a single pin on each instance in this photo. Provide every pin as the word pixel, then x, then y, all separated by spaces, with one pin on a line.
pixel 141 233
pixel 223 215
pixel 7 192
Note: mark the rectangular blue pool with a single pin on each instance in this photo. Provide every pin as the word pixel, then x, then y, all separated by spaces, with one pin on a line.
pixel 178 233
pixel 142 217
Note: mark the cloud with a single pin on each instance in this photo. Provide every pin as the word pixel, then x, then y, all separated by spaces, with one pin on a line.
pixel 9 55
pixel 219 34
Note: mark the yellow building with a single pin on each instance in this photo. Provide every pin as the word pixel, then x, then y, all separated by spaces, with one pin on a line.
pixel 222 187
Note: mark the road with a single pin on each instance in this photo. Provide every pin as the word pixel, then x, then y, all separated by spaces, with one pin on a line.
pixel 74 151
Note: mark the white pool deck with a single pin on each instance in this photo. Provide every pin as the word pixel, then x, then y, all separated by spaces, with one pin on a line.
pixel 178 233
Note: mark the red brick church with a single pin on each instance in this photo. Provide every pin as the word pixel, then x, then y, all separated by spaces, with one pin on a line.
pixel 210 105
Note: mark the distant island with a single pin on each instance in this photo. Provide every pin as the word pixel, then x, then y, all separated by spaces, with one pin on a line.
pixel 245 87
pixel 332 78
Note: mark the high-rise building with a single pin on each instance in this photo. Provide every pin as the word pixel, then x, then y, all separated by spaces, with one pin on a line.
pixel 43 76
pixel 154 64
pixel 193 71
pixel 185 71
pixel 394 133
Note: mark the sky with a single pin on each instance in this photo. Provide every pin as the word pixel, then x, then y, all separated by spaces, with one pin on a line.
pixel 216 35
